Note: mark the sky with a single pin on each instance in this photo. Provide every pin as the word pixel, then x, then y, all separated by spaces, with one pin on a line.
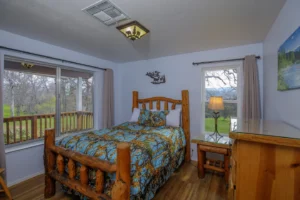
pixel 292 43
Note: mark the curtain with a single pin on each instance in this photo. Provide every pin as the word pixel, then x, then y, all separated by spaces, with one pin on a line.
pixel 251 97
pixel 2 145
pixel 108 99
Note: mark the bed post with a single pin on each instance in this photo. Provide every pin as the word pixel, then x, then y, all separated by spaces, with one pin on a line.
pixel 121 188
pixel 135 98
pixel 49 163
pixel 186 123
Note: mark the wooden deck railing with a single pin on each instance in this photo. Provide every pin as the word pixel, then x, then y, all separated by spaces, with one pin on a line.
pixel 23 128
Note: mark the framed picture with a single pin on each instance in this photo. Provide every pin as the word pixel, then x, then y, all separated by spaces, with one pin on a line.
pixel 289 63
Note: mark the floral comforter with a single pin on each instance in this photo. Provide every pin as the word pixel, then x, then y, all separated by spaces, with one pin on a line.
pixel 156 152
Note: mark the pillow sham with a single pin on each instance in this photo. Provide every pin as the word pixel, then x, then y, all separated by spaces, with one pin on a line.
pixel 135 115
pixel 153 118
pixel 158 118
pixel 144 117
pixel 173 118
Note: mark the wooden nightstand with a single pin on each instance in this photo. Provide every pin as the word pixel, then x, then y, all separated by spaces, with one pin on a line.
pixel 206 143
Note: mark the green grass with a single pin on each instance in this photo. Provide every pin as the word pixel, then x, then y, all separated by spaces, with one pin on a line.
pixel 6 111
pixel 223 125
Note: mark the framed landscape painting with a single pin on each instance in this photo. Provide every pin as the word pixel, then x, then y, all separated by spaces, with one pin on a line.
pixel 289 63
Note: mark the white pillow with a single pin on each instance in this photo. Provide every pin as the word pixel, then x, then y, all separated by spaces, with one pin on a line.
pixel 173 118
pixel 136 113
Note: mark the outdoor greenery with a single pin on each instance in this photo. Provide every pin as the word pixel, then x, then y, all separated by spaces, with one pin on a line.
pixel 221 82
pixel 31 94
pixel 27 93
pixel 223 125
pixel 230 110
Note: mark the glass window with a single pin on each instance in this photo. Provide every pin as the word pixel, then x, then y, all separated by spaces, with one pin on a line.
pixel 30 100
pixel 221 82
pixel 76 101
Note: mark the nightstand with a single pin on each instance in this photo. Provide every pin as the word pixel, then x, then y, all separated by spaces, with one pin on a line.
pixel 206 143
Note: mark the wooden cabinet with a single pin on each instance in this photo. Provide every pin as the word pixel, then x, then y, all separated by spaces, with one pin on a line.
pixel 264 167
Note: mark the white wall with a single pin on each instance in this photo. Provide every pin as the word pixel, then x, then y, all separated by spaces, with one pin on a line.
pixel 25 163
pixel 180 74
pixel 280 105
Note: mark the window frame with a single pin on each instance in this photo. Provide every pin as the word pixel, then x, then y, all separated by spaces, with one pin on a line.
pixel 5 54
pixel 216 67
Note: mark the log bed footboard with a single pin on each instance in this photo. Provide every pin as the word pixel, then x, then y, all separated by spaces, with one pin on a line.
pixel 54 156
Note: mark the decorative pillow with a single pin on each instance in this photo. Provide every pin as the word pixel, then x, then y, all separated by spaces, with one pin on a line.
pixel 136 113
pixel 158 118
pixel 173 118
pixel 144 117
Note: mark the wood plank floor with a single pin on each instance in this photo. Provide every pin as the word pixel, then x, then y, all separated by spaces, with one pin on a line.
pixel 183 184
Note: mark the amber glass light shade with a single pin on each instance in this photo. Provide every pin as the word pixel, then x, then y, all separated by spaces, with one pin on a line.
pixel 216 103
pixel 27 65
pixel 133 30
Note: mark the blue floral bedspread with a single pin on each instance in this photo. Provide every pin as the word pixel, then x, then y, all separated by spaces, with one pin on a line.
pixel 156 152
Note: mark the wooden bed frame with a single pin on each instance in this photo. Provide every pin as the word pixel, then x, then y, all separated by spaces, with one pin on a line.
pixel 54 156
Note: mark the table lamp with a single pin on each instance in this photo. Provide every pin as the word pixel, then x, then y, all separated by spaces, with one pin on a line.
pixel 216 104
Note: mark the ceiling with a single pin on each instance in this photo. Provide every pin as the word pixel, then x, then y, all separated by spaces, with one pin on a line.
pixel 176 26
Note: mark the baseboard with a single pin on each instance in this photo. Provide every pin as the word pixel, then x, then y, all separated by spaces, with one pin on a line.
pixel 14 183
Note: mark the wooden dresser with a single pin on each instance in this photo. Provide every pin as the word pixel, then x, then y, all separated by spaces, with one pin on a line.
pixel 265 161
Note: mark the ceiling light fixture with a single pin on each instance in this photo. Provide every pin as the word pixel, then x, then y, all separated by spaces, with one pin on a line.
pixel 133 30
pixel 27 65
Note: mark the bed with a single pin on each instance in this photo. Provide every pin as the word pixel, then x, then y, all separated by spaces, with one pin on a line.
pixel 128 161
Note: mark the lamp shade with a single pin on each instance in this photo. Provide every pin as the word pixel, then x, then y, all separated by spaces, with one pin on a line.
pixel 216 103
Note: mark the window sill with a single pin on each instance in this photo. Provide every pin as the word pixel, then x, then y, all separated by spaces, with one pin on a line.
pixel 20 147
pixel 39 142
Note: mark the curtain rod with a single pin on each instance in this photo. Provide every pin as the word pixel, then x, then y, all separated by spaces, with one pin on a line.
pixel 217 61
pixel 50 57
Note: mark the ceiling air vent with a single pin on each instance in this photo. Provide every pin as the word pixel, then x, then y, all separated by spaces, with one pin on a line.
pixel 106 12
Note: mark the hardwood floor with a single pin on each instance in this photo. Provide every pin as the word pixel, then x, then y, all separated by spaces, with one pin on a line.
pixel 184 184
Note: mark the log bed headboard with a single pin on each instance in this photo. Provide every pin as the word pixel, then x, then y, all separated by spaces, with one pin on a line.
pixel 185 112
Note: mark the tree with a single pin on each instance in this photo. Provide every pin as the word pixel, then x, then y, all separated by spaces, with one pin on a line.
pixel 221 83
pixel 87 100
pixel 25 92
pixel 68 94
